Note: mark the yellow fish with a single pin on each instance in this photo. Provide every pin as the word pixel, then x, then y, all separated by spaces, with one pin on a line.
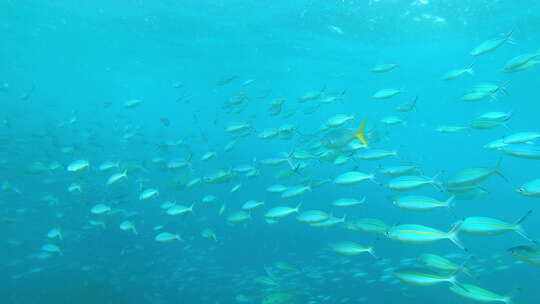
pixel 360 133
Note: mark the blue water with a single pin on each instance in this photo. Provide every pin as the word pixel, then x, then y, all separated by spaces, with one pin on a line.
pixel 83 60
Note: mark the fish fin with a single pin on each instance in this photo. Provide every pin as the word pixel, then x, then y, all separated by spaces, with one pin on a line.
pixel 360 133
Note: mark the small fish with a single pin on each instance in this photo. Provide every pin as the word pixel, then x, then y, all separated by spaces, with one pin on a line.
pixel 370 225
pixel 295 191
pixel 450 129
pixel 386 93
pixel 78 166
pixel 421 203
pixel 165 237
pixel 531 189
pixel 400 170
pixel 348 202
pixel 55 233
pixel 52 248
pixel 527 254
pixel 74 187
pixel 108 165
pixel 313 216
pixel 238 217
pixel 522 62
pixel 209 234
pixel 475 293
pixel 100 209
pixel 491 45
pixel 276 188
pixel 410 182
pixel 132 104
pixel 180 210
pixel 441 264
pixel 338 120
pixel 491 226
pixel 128 226
pixel 419 234
pixel 353 178
pixel 420 277
pixel 280 212
pixel 458 73
pixel 251 205
pixel 332 221
pixel 116 178
pixel 529 151
pixel 521 137
pixel 148 194
pixel 375 154
pixel 383 68
pixel 352 249
pixel 474 176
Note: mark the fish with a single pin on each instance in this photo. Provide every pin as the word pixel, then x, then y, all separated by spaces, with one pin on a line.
pixel 375 154
pixel 421 203
pixel 441 264
pixel 338 120
pixel 251 205
pixel 492 44
pixel 113 179
pixel 491 226
pixel 411 182
pixel 312 216
pixel 280 212
pixel 55 233
pixel 352 249
pixel 521 137
pixel 386 93
pixel 165 237
pixel 458 73
pixel 478 294
pixel 370 225
pixel 522 62
pixel 450 129
pixel 531 188
pixel 78 165
pixel 100 209
pixel 529 151
pixel 148 194
pixel 474 176
pixel 527 254
pixel 128 226
pixel 180 210
pixel 133 103
pixel 385 67
pixel 353 178
pixel 400 170
pixel 295 191
pixel 348 202
pixel 421 277
pixel 238 217
pixel 419 234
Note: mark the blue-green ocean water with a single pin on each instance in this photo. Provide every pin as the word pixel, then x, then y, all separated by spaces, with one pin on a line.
pixel 69 67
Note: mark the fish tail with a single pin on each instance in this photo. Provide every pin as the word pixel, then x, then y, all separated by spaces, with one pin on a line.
pixel 498 171
pixel 453 235
pixel 298 207
pixel 450 202
pixel 372 252
pixel 520 229
pixel 360 133
pixel 135 230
